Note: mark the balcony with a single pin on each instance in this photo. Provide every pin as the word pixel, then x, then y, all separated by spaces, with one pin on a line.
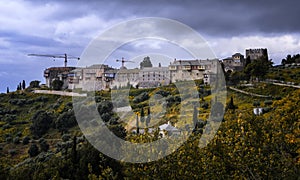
pixel 186 68
pixel 172 68
pixel 202 68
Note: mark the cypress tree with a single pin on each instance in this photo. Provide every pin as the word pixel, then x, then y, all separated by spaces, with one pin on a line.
pixel 142 115
pixel 148 117
pixel 74 151
pixel 195 117
pixel 137 124
pixel 23 84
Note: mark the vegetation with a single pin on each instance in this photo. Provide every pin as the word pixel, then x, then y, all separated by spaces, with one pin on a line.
pixel 57 85
pixel 291 59
pixel 146 63
pixel 34 84
pixel 40 139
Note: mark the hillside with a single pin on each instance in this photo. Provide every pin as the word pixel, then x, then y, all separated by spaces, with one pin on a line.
pixel 245 146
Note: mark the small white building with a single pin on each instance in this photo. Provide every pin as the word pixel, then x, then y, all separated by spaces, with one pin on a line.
pixel 168 129
pixel 258 111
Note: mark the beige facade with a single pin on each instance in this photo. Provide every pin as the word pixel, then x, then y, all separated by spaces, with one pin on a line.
pixel 98 77
pixel 154 77
pixel 125 77
pixel 256 53
pixel 183 70
pixel 57 73
pixel 89 78
pixel 234 63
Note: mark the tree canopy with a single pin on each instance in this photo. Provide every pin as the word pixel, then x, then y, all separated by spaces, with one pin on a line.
pixel 146 63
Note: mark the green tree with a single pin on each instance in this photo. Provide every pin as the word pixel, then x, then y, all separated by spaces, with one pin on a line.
pixel 137 124
pixel 195 117
pixel 148 119
pixel 146 62
pixel 248 61
pixel 57 85
pixel 142 115
pixel 65 121
pixel 41 122
pixel 34 84
pixel 44 145
pixel 33 150
pixel 231 104
pixel 23 84
pixel 258 68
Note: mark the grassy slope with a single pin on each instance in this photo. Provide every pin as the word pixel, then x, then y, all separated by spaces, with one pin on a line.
pixel 23 113
pixel 57 104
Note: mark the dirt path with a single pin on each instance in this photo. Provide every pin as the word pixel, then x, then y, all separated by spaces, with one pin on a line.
pixel 62 93
pixel 280 84
pixel 248 93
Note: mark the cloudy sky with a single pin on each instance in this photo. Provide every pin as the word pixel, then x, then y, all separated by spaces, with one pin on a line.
pixel 57 27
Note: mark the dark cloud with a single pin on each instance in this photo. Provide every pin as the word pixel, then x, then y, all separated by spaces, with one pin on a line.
pixel 216 19
pixel 22 39
pixel 220 18
pixel 212 17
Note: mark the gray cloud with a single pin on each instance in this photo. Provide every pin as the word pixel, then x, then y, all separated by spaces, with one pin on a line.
pixel 63 26
pixel 220 18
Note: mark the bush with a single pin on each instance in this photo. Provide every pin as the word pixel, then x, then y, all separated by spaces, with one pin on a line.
pixel 171 100
pixel 65 121
pixel 205 105
pixel 18 102
pixel 266 109
pixel 34 84
pixel 163 93
pixel 57 84
pixel 26 140
pixel 16 140
pixel 98 99
pixel 65 137
pixel 12 152
pixel 256 103
pixel 105 107
pixel 142 97
pixel 41 99
pixel 33 150
pixel 278 98
pixel 8 139
pixel 268 102
pixel 9 118
pixel 19 134
pixel 106 117
pixel 44 146
pixel 41 123
pixel 6 126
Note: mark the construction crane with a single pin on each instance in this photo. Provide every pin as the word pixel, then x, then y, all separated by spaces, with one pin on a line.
pixel 64 56
pixel 123 62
